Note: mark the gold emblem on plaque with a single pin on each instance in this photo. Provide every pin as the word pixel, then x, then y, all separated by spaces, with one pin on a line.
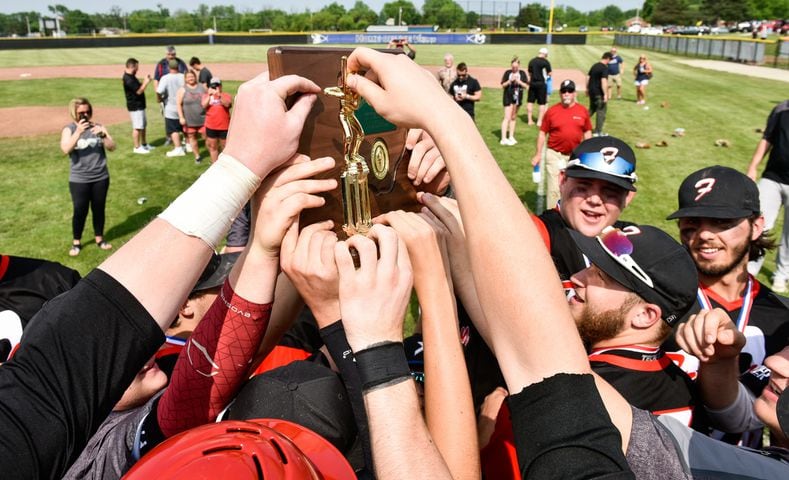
pixel 355 192
pixel 379 158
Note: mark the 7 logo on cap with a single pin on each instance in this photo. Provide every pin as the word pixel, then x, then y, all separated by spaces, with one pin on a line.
pixel 703 187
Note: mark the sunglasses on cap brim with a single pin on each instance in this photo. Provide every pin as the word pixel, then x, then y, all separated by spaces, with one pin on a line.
pixel 619 247
pixel 617 166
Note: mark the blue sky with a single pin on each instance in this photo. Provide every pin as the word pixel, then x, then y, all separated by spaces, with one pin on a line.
pixel 93 6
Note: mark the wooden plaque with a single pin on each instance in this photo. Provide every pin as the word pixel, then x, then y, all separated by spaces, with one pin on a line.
pixel 390 188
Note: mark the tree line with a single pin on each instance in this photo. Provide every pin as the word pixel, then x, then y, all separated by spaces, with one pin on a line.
pixel 446 14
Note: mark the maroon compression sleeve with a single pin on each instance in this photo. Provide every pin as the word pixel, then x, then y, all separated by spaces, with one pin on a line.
pixel 214 362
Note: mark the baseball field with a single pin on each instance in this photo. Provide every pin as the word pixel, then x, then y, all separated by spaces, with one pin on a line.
pixel 710 104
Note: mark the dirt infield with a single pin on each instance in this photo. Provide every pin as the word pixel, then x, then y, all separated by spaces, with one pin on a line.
pixel 31 121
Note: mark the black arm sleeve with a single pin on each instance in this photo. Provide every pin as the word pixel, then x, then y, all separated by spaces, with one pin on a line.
pixel 562 430
pixel 76 358
pixel 337 344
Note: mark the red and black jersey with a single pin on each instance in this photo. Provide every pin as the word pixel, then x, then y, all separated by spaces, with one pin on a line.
pixel 765 326
pixel 649 380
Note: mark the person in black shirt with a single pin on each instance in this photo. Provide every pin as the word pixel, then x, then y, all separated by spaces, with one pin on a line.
pixel 465 90
pixel 539 70
pixel 597 89
pixel 135 104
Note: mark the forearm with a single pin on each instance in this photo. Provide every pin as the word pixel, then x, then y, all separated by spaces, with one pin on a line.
pixel 215 361
pixel 527 348
pixel 737 417
pixel 540 142
pixel 449 411
pixel 718 383
pixel 399 435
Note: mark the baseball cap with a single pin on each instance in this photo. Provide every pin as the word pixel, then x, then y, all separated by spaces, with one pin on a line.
pixel 717 192
pixel 214 81
pixel 173 63
pixel 604 158
pixel 648 262
pixel 216 271
pixel 544 51
pixel 567 85
pixel 303 392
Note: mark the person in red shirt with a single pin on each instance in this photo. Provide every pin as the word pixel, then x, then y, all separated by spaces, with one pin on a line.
pixel 565 124
pixel 217 117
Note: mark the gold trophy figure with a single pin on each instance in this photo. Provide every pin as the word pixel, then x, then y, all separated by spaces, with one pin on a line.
pixel 355 192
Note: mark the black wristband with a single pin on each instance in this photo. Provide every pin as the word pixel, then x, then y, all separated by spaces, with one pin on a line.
pixel 381 364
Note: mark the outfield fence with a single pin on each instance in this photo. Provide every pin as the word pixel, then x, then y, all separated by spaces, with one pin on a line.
pixel 760 52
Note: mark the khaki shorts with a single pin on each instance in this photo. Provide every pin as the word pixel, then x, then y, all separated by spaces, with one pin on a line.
pixel 615 80
pixel 555 162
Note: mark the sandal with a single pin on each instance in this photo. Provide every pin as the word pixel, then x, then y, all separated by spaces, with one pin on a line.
pixel 75 249
pixel 104 245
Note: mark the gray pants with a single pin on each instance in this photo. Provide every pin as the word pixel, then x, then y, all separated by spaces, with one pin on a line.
pixel 772 196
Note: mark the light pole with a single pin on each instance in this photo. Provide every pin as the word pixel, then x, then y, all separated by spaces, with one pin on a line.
pixel 400 17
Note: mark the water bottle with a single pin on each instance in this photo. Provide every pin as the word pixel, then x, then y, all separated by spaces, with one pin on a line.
pixel 536 176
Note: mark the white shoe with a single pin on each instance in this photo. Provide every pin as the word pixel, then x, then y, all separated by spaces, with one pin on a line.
pixel 779 285
pixel 504 141
pixel 141 150
pixel 188 148
pixel 512 141
pixel 148 146
pixel 176 152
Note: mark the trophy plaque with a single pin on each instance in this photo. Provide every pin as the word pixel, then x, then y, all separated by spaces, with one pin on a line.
pixel 370 154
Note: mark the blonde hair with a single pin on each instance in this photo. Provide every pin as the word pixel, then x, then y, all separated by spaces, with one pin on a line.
pixel 77 102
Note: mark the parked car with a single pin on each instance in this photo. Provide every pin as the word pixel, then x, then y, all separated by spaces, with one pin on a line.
pixel 583 29
pixel 719 30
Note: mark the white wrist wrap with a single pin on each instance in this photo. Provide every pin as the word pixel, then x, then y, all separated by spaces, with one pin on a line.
pixel 209 206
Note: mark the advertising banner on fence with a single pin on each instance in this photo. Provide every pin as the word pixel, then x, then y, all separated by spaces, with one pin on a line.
pixel 413 38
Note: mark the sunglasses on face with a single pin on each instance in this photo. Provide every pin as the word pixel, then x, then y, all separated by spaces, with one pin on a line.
pixel 616 166
pixel 615 242
pixel 567 90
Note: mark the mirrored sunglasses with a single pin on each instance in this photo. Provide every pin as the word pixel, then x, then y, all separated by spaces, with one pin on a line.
pixel 617 166
pixel 615 242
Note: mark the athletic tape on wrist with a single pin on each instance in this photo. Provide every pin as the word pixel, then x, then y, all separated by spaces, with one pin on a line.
pixel 207 208
pixel 382 364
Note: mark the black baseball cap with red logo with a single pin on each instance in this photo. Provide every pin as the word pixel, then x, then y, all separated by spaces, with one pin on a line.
pixel 604 158
pixel 717 192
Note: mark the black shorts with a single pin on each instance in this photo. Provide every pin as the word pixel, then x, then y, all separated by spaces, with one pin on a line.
pixel 211 133
pixel 172 125
pixel 538 93
pixel 510 99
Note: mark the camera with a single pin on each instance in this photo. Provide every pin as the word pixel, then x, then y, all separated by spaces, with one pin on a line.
pixel 84 116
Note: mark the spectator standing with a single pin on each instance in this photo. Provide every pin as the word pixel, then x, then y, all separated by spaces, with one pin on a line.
pixel 402 44
pixel 513 82
pixel 597 89
pixel 565 125
pixel 86 143
pixel 203 73
pixel 163 68
pixel 643 73
pixel 615 66
pixel 217 106
pixel 774 187
pixel 466 90
pixel 191 114
pixel 135 104
pixel 539 70
pixel 447 74
pixel 168 91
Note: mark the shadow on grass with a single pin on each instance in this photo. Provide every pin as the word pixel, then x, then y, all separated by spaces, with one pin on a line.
pixel 132 223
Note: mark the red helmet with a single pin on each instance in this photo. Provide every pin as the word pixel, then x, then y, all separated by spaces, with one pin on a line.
pixel 251 449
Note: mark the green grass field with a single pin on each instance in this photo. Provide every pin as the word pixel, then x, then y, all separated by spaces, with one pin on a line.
pixel 34 181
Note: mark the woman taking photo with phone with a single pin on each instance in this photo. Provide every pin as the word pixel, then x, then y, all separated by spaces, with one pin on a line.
pixel 643 72
pixel 85 143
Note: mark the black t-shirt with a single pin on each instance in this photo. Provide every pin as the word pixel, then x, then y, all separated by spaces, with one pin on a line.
pixel 513 91
pixel 204 76
pixel 77 356
pixel 130 86
pixel 537 68
pixel 469 86
pixel 597 73
pixel 777 133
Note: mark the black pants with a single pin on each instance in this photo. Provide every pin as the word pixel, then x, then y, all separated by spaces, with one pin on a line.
pixel 598 105
pixel 84 195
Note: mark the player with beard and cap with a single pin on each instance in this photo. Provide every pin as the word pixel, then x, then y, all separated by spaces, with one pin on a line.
pixel 721 224
pixel 625 309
